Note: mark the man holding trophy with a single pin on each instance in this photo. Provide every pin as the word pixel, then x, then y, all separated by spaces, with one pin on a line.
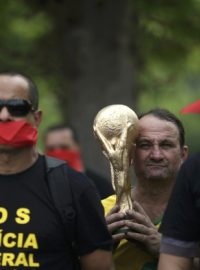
pixel 154 144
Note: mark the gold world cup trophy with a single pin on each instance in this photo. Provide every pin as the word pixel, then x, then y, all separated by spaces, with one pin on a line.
pixel 116 128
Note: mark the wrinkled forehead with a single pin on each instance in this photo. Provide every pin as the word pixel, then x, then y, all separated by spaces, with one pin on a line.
pixel 154 128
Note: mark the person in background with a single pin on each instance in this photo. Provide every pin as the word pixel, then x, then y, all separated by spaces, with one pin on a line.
pixel 159 152
pixel 32 234
pixel 180 227
pixel 61 141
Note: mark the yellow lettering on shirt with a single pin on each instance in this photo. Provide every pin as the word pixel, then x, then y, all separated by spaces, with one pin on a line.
pixel 9 240
pixel 19 241
pixel 31 241
pixel 7 259
pixel 31 261
pixel 23 216
pixel 3 215
pixel 21 259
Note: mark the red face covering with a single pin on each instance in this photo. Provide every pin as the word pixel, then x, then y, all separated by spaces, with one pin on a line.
pixel 73 158
pixel 17 134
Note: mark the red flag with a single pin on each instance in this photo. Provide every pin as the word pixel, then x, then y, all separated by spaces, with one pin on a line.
pixel 192 108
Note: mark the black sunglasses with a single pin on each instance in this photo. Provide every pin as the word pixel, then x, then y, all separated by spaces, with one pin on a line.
pixel 17 107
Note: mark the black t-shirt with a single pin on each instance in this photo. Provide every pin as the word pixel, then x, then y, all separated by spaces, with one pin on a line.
pixel 182 216
pixel 103 185
pixel 31 234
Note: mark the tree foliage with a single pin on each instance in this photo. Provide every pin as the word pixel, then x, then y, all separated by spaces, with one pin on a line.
pixel 93 53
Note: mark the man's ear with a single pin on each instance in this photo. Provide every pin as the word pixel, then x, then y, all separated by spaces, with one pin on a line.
pixel 185 152
pixel 37 117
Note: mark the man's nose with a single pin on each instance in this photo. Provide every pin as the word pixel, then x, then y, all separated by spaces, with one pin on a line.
pixel 156 153
pixel 4 114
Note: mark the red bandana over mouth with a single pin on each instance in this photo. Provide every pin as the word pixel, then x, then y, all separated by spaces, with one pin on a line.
pixel 17 133
pixel 73 158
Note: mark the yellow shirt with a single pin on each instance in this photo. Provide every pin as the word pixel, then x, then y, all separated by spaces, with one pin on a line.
pixel 128 256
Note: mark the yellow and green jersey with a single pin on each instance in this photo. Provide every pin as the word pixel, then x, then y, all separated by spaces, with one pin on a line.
pixel 128 256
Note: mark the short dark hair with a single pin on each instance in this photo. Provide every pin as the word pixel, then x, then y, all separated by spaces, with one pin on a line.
pixel 32 88
pixel 62 126
pixel 165 114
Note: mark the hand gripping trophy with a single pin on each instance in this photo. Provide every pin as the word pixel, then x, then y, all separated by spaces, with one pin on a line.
pixel 116 127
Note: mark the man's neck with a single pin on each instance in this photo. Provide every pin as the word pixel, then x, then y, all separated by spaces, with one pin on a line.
pixel 17 161
pixel 153 196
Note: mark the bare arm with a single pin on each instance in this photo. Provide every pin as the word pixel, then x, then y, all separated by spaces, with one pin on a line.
pixel 97 260
pixel 171 262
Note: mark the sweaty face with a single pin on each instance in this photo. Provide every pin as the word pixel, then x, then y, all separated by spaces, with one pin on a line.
pixel 158 153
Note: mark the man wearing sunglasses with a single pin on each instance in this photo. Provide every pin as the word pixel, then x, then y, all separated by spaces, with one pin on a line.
pixel 31 232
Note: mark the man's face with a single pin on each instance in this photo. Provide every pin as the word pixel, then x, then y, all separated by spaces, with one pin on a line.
pixel 158 154
pixel 60 139
pixel 15 88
